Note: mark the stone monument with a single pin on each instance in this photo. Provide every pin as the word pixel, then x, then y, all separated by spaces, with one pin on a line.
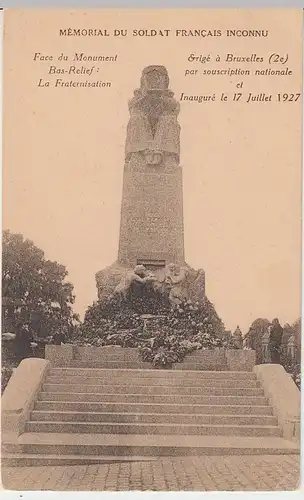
pixel 237 337
pixel 151 241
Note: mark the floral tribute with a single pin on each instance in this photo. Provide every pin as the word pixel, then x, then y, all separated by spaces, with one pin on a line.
pixel 177 330
pixel 293 368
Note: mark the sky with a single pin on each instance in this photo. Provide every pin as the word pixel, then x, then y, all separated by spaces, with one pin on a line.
pixel 63 157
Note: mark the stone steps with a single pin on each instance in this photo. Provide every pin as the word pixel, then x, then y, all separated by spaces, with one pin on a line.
pixel 173 402
pixel 136 358
pixel 31 459
pixel 197 359
pixel 85 414
pixel 152 429
pixel 126 354
pixel 43 445
pixel 152 398
pixel 161 418
pixel 143 390
pixel 167 383
pixel 204 352
pixel 142 365
pixel 152 374
pixel 117 353
pixel 115 364
pixel 185 365
pixel 160 408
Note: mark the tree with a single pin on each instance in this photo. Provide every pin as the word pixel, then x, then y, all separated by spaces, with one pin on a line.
pixel 294 331
pixel 297 333
pixel 34 290
pixel 254 336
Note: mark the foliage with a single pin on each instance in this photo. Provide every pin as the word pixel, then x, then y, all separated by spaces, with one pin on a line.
pixel 234 343
pixel 293 330
pixel 177 331
pixel 296 376
pixel 13 351
pixel 36 301
pixel 116 314
pixel 254 341
pixel 6 373
pixel 35 290
pixel 293 368
pixel 254 337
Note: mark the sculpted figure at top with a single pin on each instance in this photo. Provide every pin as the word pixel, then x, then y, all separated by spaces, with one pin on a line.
pixel 153 130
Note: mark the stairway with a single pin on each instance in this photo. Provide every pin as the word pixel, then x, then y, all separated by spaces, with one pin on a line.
pixel 89 415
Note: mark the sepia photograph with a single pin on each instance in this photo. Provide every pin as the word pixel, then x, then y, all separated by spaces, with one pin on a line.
pixel 151 250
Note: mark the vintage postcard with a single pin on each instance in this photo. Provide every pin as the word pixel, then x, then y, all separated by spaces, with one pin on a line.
pixel 151 249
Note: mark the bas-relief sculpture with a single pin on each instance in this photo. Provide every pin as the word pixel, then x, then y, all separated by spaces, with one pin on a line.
pixel 138 275
pixel 176 283
pixel 153 145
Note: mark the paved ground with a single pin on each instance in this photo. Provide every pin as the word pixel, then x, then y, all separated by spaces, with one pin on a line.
pixel 226 473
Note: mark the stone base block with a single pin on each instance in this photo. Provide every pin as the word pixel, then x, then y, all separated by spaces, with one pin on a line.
pixel 284 397
pixel 240 360
pixel 119 357
pixel 59 355
pixel 20 394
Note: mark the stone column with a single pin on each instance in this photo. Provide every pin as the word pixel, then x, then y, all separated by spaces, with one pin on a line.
pixel 265 348
pixel 291 347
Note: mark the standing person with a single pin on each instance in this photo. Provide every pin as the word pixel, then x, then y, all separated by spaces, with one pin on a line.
pixel 59 338
pixel 23 341
pixel 275 340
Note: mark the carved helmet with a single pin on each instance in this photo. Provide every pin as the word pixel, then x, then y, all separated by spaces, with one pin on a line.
pixel 154 77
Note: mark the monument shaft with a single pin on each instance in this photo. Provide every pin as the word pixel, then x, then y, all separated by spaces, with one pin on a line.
pixel 151 229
